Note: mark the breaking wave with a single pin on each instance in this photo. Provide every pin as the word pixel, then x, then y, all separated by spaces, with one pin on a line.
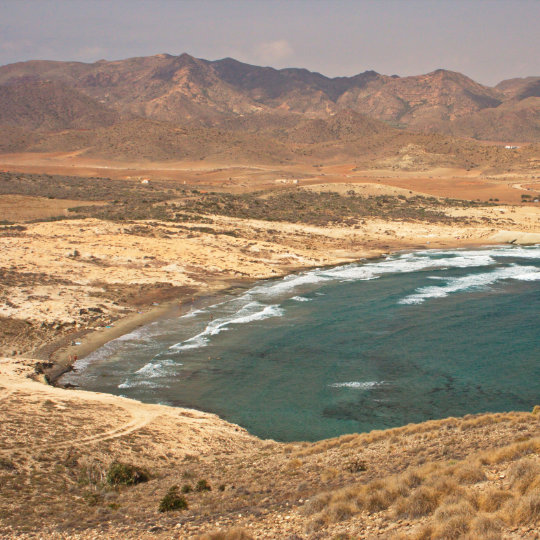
pixel 360 385
pixel 248 313
pixel 472 282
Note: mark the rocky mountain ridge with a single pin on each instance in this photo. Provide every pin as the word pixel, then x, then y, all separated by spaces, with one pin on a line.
pixel 187 90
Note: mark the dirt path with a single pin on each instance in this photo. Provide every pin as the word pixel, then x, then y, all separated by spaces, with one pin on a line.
pixel 520 187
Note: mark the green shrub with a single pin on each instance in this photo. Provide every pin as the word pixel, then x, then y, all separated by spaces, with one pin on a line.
pixel 186 488
pixel 203 485
pixel 125 474
pixel 172 501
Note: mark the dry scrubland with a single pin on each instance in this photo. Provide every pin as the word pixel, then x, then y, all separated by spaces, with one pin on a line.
pixel 80 254
pixel 84 465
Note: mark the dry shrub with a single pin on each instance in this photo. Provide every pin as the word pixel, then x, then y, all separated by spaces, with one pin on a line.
pixel 451 509
pixel 454 527
pixel 348 438
pixel 469 473
pixel 316 504
pixel 523 474
pixel 452 519
pixel 236 533
pixel 329 474
pixel 513 451
pixel 444 486
pixel 339 511
pixel 527 509
pixel 423 533
pixel 476 422
pixel 421 502
pixel 486 527
pixel 317 523
pixel 412 479
pixel 378 500
pixel 536 410
pixel 493 499
pixel 294 464
pixel 380 495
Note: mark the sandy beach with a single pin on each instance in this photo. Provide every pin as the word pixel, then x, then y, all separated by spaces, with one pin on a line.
pixel 89 281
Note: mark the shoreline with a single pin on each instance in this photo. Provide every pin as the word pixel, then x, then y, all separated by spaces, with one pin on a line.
pixel 62 356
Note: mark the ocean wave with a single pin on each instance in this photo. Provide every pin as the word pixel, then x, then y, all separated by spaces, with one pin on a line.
pixel 473 282
pixel 136 384
pixel 301 299
pixel 393 264
pixel 155 369
pixel 248 313
pixel 287 284
pixel 360 385
pixel 406 264
pixel 523 252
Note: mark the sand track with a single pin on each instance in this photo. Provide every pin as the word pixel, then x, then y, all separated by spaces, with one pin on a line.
pixel 57 398
pixel 140 420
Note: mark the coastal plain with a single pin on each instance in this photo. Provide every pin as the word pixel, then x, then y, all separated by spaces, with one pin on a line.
pixel 110 252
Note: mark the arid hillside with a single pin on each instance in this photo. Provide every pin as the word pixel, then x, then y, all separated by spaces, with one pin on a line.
pixel 190 91
pixel 51 106
pixel 84 465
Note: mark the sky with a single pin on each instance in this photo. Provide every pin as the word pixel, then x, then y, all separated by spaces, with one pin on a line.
pixel 488 40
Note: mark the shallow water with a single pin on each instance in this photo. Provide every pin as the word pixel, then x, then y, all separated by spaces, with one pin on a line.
pixel 408 338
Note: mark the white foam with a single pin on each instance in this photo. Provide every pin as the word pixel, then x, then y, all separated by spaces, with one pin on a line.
pixel 530 252
pixel 287 284
pixel 301 299
pixel 406 264
pixel 155 369
pixel 134 384
pixel 248 313
pixel 359 385
pixel 394 264
pixel 473 282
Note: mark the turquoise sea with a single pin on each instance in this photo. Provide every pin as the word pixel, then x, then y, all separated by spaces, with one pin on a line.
pixel 410 337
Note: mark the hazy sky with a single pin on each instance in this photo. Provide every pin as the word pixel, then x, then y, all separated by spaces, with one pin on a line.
pixel 489 40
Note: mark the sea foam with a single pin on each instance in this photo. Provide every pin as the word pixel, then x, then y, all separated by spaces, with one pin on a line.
pixel 472 282
pixel 253 311
pixel 359 385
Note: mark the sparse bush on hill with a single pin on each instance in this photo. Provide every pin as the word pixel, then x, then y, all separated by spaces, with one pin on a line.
pixel 447 494
pixel 356 465
pixel 203 485
pixel 125 474
pixel 172 501
pixel 126 201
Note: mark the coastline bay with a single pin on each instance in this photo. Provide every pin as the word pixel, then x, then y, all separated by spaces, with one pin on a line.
pixel 367 346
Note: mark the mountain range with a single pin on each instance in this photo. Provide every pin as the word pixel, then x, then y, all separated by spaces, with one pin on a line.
pixel 188 107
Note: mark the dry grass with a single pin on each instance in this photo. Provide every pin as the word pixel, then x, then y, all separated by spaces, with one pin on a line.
pixel 524 474
pixel 523 510
pixel 475 496
pixel 460 499
pixel 493 499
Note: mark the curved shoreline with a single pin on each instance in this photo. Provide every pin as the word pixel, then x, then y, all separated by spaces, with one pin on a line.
pixel 62 356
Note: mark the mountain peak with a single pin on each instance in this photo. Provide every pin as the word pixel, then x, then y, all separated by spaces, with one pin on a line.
pixel 185 89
